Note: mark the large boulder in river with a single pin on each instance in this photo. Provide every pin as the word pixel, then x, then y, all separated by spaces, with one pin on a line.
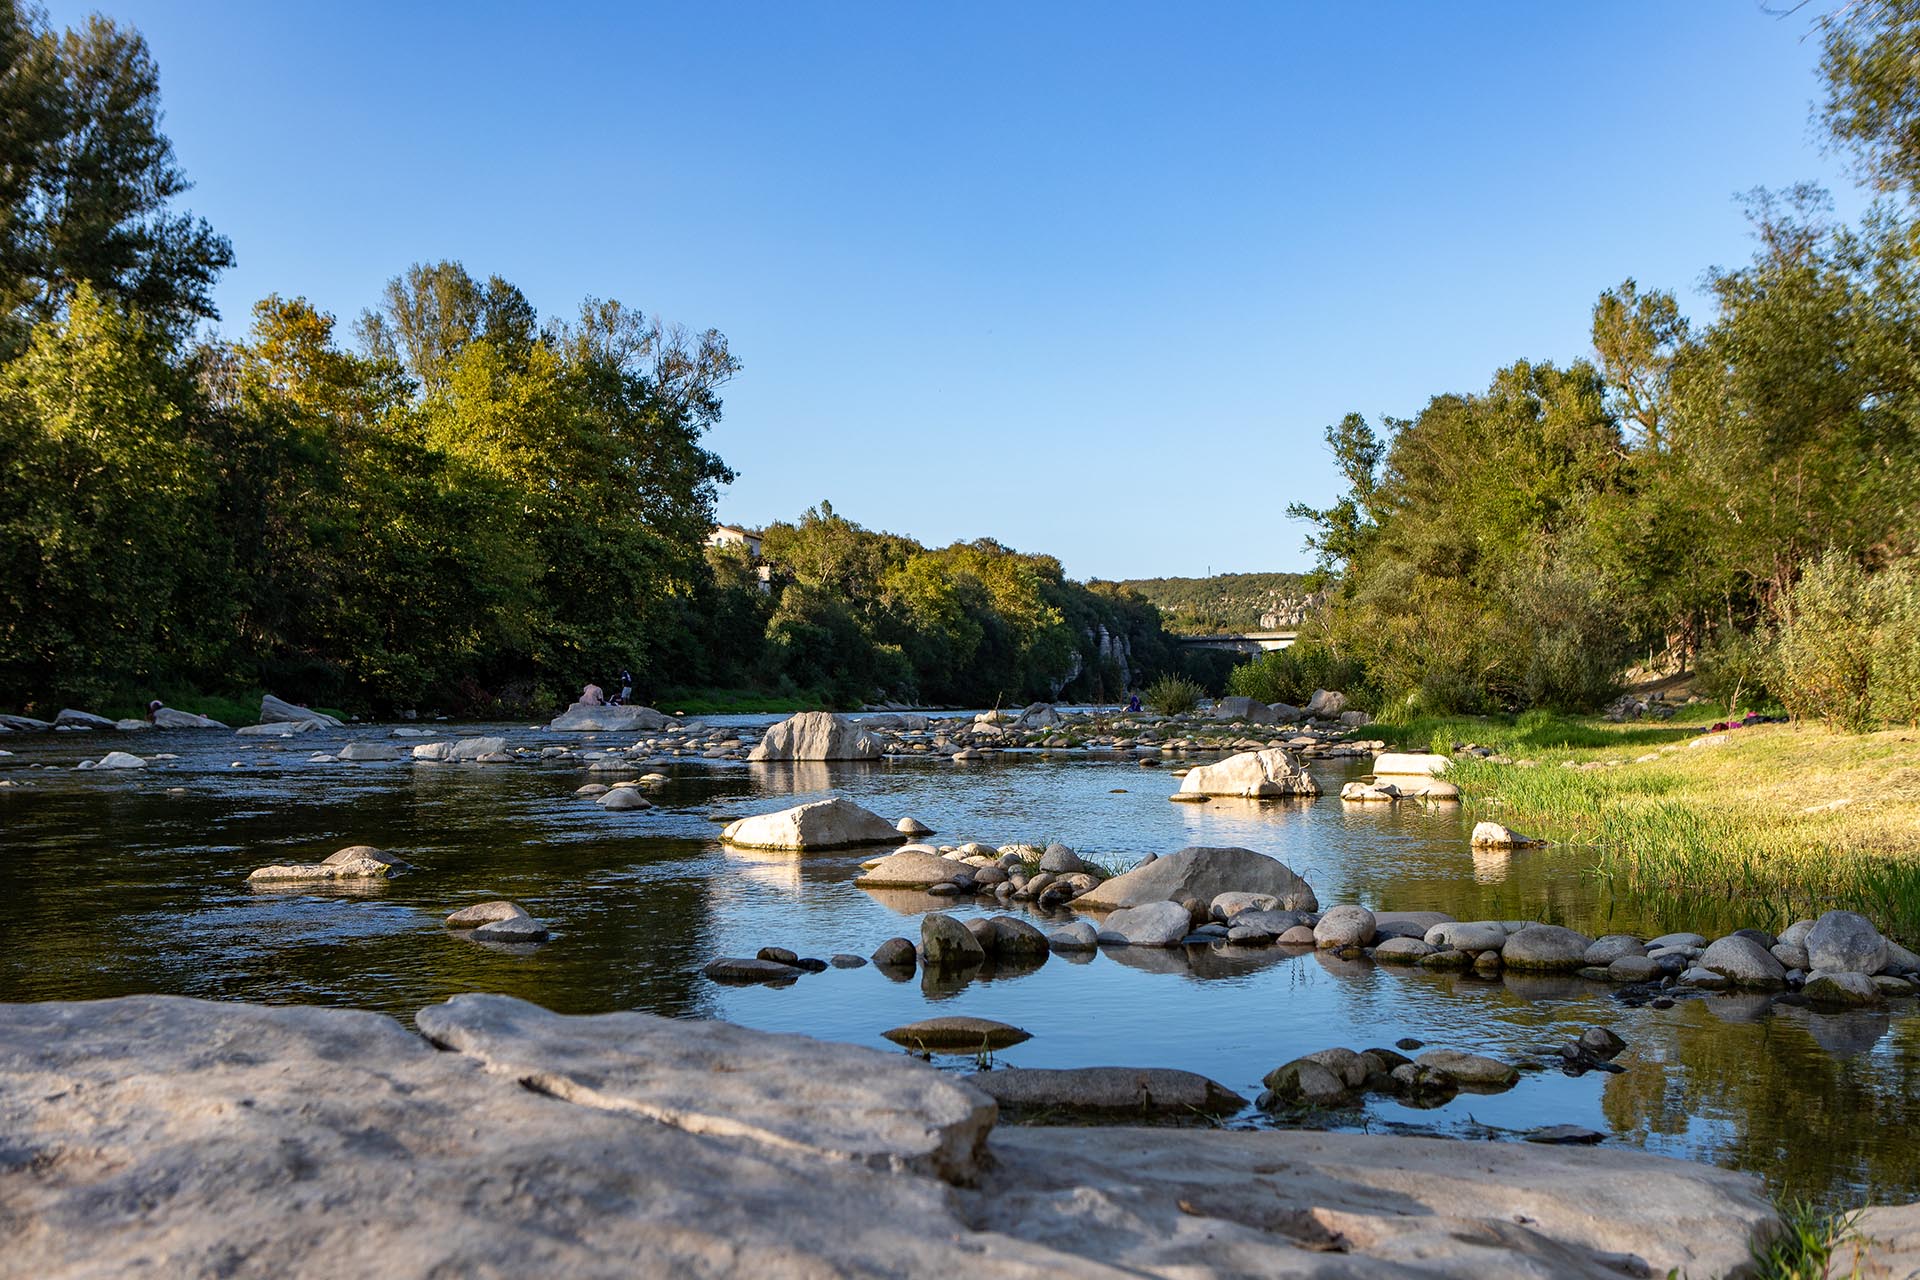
pixel 72 719
pixel 582 717
pixel 1251 775
pixel 1204 873
pixel 817 735
pixel 1248 709
pixel 275 711
pixel 1038 715
pixel 823 824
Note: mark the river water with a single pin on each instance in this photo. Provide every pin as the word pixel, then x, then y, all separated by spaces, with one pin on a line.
pixel 116 883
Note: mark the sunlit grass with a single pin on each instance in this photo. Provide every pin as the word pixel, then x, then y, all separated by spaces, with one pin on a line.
pixel 1787 820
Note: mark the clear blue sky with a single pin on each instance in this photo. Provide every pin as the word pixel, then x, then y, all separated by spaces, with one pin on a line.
pixel 1090 279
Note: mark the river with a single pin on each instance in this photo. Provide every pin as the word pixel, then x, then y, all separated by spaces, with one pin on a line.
pixel 116 883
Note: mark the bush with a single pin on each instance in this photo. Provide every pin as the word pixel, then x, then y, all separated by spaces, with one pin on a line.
pixel 1823 646
pixel 1172 695
pixel 1893 675
pixel 1732 671
pixel 1291 676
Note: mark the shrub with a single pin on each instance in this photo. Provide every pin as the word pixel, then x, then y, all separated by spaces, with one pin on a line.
pixel 1732 671
pixel 1824 645
pixel 1172 695
pixel 1893 675
pixel 1291 675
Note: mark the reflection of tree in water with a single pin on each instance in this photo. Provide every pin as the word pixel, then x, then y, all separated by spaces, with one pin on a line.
pixel 1822 1106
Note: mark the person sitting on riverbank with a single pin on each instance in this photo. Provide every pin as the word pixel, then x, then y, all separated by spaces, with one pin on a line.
pixel 593 696
pixel 1133 703
pixel 153 711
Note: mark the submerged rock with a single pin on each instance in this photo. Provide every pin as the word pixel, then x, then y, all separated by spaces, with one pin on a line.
pixel 1116 1092
pixel 484 913
pixel 957 1034
pixel 355 862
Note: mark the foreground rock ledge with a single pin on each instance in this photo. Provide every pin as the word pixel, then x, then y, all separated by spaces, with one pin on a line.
pixel 172 1137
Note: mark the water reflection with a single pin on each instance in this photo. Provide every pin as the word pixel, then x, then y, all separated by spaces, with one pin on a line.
pixel 113 885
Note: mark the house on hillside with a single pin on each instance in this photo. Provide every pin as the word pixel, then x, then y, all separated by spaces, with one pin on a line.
pixel 730 535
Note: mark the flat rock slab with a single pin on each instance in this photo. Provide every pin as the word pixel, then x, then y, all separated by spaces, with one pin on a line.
pixel 1125 1091
pixel 162 1136
pixel 1303 1203
pixel 909 869
pixel 168 1137
pixel 1883 1245
pixel 958 1034
pixel 841 1101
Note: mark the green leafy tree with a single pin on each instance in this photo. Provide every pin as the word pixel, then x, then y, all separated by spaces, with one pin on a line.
pixel 89 181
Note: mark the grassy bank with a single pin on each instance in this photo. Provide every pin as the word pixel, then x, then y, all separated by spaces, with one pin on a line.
pixel 1789 820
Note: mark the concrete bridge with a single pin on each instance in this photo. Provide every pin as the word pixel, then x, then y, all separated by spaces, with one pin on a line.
pixel 1243 642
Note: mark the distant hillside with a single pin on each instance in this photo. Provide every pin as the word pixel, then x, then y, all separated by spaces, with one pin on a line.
pixel 1228 601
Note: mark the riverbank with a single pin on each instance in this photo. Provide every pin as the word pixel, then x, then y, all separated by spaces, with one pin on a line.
pixel 502 1139
pixel 1792 817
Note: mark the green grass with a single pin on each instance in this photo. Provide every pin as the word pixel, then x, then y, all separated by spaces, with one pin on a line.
pixel 1785 820
pixel 1804 1249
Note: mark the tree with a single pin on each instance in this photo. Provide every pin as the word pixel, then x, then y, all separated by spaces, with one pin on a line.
pixel 1343 527
pixel 1869 53
pixel 89 181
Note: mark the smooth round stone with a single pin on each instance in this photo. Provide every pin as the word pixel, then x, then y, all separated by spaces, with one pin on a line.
pixel 1346 926
pixel 895 953
pixel 1078 936
pixel 1742 961
pixel 1401 951
pixel 484 913
pixel 520 928
pixel 1610 947
pixel 1846 942
pixel 1843 989
pixel 1546 946
pixel 1468 935
pixel 1676 940
pixel 1634 969
pixel 843 960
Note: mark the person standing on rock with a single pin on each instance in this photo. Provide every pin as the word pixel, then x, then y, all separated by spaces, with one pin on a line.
pixel 153 711
pixel 626 688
